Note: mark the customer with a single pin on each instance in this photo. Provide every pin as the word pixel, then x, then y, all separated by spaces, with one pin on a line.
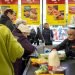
pixel 39 36
pixel 7 18
pixel 32 36
pixel 21 33
pixel 47 34
pixel 10 50
pixel 68 44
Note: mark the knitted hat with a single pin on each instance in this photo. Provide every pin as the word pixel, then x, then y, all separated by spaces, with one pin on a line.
pixel 24 28
pixel 20 21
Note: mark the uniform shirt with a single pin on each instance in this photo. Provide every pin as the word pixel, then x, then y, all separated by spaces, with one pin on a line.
pixel 68 46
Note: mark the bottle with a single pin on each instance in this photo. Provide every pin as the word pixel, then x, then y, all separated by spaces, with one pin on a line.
pixel 53 61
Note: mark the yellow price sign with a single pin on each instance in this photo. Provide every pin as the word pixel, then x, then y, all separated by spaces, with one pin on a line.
pixel 31 13
pixel 56 14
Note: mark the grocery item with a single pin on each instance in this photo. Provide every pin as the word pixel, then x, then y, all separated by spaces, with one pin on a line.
pixel 42 69
pixel 53 60
pixel 38 61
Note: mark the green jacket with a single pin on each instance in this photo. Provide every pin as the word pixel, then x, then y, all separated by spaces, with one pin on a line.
pixel 10 50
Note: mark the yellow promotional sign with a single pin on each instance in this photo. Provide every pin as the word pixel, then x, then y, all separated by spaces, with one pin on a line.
pixel 9 4
pixel 71 11
pixel 14 7
pixel 4 6
pixel 56 12
pixel 31 13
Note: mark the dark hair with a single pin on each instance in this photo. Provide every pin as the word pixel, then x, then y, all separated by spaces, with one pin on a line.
pixel 8 11
pixel 45 24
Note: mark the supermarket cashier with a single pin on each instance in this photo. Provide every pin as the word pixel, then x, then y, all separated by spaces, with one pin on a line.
pixel 69 43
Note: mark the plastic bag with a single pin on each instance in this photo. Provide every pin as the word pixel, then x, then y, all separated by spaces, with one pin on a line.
pixel 53 59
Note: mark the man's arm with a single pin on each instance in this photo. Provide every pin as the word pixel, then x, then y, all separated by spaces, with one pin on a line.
pixel 61 46
pixel 29 48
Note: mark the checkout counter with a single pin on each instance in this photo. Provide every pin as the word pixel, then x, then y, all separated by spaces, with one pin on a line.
pixel 69 64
